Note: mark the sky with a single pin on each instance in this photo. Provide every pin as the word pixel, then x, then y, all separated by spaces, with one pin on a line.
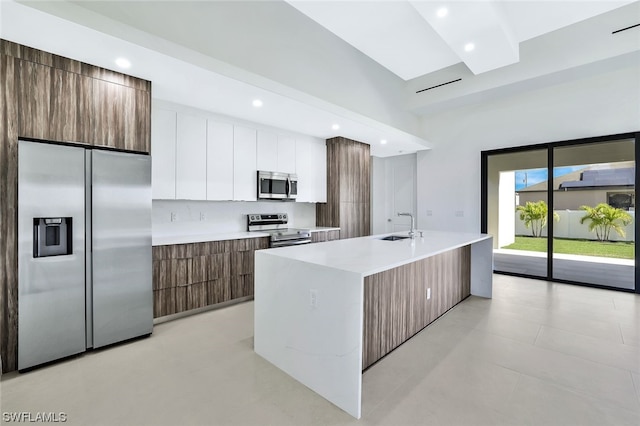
pixel 534 176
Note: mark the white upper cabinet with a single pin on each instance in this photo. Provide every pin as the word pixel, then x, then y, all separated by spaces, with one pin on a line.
pixel 267 151
pixel 286 154
pixel 197 157
pixel 245 177
pixel 319 161
pixel 311 163
pixel 163 154
pixel 191 158
pixel 219 161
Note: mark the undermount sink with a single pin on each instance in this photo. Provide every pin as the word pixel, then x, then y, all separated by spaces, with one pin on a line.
pixel 394 238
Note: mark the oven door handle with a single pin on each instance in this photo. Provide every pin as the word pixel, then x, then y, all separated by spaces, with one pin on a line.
pixel 284 243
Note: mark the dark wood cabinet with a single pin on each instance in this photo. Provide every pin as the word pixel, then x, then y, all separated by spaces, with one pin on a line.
pixel 396 305
pixel 53 104
pixel 122 117
pixel 191 276
pixel 348 188
pixel 321 236
pixel 71 118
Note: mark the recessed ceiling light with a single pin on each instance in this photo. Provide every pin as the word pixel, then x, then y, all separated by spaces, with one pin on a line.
pixel 335 126
pixel 383 141
pixel 257 103
pixel 123 63
pixel 442 12
pixel 469 47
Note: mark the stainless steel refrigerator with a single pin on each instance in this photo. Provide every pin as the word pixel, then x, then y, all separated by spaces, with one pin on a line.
pixel 84 250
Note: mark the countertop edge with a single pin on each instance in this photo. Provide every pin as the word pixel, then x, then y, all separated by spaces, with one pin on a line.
pixel 472 239
pixel 165 240
pixel 203 238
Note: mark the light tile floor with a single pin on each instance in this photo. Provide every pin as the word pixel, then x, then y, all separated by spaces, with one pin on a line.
pixel 538 353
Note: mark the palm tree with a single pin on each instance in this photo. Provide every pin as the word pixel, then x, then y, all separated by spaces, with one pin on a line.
pixel 534 216
pixel 604 218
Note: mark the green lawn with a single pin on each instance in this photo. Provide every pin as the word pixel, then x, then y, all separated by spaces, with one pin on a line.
pixel 621 250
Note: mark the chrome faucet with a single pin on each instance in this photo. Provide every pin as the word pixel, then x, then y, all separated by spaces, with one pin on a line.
pixel 412 232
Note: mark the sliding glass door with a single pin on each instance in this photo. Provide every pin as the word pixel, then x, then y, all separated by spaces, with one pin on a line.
pixel 518 227
pixel 582 193
pixel 594 207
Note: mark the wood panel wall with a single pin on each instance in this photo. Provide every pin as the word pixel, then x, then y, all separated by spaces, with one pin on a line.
pixel 396 305
pixel 191 276
pixel 348 188
pixel 49 97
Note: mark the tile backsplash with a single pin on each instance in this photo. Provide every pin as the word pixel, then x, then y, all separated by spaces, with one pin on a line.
pixel 195 217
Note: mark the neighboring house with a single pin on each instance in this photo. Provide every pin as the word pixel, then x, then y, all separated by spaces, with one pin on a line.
pixel 590 186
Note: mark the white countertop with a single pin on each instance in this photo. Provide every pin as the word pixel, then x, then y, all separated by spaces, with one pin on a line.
pixel 163 239
pixel 370 255
pixel 322 228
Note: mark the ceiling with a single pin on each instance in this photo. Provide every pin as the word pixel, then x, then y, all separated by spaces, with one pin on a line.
pixel 416 37
pixel 318 64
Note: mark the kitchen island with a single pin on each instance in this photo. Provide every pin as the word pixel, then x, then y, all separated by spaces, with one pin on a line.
pixel 325 312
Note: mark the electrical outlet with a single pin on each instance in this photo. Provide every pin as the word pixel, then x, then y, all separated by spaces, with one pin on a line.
pixel 174 216
pixel 313 298
pixel 459 213
pixel 203 216
pixel 429 212
pixel 428 293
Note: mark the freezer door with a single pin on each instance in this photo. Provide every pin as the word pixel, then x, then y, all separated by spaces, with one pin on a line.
pixel 121 228
pixel 51 284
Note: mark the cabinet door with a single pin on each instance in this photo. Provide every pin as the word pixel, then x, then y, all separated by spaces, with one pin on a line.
pixel 311 163
pixel 286 154
pixel 219 161
pixel 306 184
pixel 244 164
pixel 54 104
pixel 191 157
pixel 163 154
pixel 117 119
pixel 319 169
pixel 267 149
pixel 34 99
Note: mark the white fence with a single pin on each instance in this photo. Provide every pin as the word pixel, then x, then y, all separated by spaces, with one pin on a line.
pixel 569 227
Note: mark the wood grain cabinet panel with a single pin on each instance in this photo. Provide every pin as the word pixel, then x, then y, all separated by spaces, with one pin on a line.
pixel 8 217
pixel 321 236
pixel 241 286
pixel 164 302
pixel 318 237
pixel 34 99
pixel 191 276
pixel 71 111
pixel 396 305
pixel 197 296
pixel 122 117
pixel 333 235
pixel 348 188
pixel 219 290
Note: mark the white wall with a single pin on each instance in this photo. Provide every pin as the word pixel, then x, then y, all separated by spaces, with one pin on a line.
pixel 223 216
pixel 393 183
pixel 379 195
pixel 449 174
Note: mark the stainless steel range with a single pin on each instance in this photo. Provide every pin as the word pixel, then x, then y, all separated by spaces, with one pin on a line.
pixel 275 224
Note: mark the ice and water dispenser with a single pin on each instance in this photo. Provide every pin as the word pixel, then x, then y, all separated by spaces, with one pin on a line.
pixel 52 236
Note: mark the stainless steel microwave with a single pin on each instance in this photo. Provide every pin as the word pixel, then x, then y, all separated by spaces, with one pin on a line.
pixel 277 186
